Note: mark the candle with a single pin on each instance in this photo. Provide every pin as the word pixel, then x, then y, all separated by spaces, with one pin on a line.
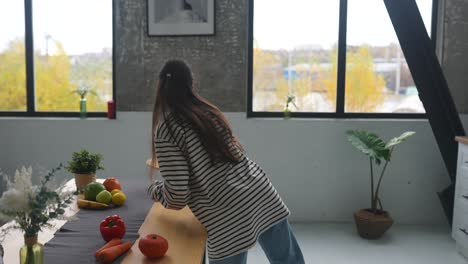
pixel 110 109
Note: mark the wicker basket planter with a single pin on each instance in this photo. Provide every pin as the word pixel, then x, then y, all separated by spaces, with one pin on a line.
pixel 370 225
pixel 81 180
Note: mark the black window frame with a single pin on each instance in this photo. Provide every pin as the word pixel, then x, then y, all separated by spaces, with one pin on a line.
pixel 340 93
pixel 30 84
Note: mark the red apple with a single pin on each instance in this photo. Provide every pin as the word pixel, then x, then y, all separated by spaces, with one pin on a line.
pixel 153 246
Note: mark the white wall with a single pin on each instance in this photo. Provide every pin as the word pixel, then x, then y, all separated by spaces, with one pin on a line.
pixel 319 175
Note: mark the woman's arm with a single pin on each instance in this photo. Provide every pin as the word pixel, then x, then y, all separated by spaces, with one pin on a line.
pixel 172 191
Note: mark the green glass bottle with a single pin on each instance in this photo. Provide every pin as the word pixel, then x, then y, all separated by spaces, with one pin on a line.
pixel 287 113
pixel 32 252
pixel 83 108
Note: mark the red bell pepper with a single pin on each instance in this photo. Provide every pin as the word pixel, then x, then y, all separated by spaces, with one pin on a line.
pixel 112 227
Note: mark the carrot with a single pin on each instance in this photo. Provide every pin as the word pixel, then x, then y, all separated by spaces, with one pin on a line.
pixel 110 254
pixel 111 243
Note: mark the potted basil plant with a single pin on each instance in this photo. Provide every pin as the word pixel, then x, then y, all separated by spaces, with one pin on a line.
pixel 84 165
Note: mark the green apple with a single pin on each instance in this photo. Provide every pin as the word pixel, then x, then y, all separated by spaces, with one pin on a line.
pixel 104 197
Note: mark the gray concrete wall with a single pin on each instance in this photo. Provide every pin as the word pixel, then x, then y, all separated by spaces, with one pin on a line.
pixel 317 172
pixel 219 61
pixel 455 50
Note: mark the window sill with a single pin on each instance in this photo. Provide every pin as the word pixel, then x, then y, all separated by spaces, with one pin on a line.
pixel 52 115
pixel 330 119
pixel 339 116
pixel 54 118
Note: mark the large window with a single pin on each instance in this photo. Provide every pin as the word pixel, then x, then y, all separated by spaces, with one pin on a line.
pixel 12 57
pixel 52 52
pixel 295 49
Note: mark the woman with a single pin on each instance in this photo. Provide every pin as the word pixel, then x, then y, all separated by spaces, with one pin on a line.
pixel 203 166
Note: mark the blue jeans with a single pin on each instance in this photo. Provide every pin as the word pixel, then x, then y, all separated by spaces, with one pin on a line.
pixel 278 243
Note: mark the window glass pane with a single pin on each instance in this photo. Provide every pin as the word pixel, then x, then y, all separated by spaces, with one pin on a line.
pixel 377 75
pixel 295 54
pixel 73 52
pixel 12 56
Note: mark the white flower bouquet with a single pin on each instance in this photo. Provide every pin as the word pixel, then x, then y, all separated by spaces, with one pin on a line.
pixel 32 206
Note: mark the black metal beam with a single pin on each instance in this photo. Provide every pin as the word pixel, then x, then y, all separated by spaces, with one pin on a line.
pixel 431 84
pixel 250 61
pixel 434 19
pixel 341 74
pixel 29 60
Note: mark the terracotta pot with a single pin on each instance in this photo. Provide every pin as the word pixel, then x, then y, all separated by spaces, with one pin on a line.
pixel 370 225
pixel 81 180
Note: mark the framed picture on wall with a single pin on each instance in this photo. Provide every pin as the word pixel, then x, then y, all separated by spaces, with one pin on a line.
pixel 181 17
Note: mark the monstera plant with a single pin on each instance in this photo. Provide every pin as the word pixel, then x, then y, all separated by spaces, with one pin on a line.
pixel 373 222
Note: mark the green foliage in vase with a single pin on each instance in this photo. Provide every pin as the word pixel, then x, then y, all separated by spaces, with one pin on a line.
pixel 377 150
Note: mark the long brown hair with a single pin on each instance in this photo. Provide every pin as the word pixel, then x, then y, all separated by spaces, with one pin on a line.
pixel 175 96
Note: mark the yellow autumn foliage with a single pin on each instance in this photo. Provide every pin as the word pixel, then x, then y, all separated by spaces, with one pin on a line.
pixel 364 89
pixel 54 83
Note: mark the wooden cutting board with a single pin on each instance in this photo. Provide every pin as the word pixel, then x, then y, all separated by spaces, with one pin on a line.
pixel 185 234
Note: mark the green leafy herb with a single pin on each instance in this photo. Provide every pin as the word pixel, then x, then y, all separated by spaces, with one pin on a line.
pixel 84 162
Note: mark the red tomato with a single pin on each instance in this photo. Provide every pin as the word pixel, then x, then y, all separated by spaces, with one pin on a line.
pixel 111 184
pixel 153 246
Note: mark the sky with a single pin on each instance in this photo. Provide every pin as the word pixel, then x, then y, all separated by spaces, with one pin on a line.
pixel 294 23
pixel 81 26
pixel 86 25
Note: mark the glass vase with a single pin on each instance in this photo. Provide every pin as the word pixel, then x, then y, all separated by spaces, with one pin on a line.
pixel 83 108
pixel 287 113
pixel 32 252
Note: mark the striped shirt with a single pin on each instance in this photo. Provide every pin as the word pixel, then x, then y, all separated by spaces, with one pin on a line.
pixel 235 202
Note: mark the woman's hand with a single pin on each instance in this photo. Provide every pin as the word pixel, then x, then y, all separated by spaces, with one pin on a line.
pixel 154 164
